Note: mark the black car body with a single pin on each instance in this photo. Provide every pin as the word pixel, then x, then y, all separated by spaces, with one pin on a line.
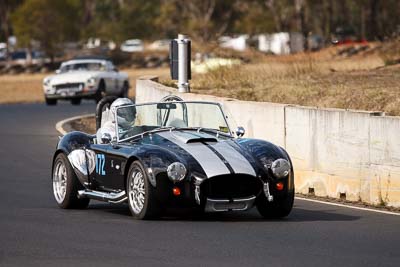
pixel 203 168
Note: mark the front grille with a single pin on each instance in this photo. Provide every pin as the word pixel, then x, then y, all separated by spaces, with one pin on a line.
pixel 231 186
pixel 70 86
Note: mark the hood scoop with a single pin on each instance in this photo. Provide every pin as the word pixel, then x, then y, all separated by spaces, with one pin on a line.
pixel 194 137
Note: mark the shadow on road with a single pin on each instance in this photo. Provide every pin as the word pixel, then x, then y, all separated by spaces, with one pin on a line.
pixel 305 215
pixel 297 215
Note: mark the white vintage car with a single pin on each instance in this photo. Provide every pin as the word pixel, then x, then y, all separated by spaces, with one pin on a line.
pixel 85 78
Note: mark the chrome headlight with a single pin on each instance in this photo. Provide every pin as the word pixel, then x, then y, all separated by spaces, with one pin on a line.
pixel 280 168
pixel 46 81
pixel 176 172
pixel 91 81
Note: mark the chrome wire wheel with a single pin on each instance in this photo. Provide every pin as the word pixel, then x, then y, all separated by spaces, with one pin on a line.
pixel 60 181
pixel 136 191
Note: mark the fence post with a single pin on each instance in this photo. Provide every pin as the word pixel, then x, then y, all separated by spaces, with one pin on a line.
pixel 180 62
pixel 184 63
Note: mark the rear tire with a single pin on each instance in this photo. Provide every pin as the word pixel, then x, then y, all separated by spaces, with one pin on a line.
pixel 76 101
pixel 141 194
pixel 66 185
pixel 276 209
pixel 50 101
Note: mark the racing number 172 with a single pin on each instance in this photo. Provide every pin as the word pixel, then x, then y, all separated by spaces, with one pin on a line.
pixel 100 161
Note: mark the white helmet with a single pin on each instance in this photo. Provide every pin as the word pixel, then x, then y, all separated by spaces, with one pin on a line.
pixel 120 102
pixel 125 116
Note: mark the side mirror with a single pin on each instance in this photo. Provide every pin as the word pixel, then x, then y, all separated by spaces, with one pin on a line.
pixel 58 71
pixel 106 138
pixel 240 131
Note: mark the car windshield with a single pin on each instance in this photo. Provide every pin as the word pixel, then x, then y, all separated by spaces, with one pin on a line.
pixel 87 66
pixel 134 120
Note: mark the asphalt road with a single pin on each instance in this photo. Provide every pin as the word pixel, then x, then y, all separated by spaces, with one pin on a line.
pixel 35 232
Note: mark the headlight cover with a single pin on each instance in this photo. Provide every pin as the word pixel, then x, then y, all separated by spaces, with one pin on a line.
pixel 176 172
pixel 46 81
pixel 91 81
pixel 280 168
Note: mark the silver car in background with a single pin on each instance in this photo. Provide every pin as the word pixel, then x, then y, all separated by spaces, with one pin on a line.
pixel 90 78
pixel 132 45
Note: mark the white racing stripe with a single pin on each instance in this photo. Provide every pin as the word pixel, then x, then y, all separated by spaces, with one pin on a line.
pixel 238 162
pixel 208 160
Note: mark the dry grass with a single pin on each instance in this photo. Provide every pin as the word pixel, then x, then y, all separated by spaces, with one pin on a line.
pixel 319 79
pixel 390 52
pixel 86 125
pixel 24 88
pixel 21 88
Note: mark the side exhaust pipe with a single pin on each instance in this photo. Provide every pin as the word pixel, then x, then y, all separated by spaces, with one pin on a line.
pixel 103 196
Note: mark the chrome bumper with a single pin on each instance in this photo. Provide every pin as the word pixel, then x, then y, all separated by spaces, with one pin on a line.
pixel 236 204
pixel 71 95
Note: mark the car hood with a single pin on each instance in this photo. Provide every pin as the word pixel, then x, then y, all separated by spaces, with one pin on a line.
pixel 72 77
pixel 206 154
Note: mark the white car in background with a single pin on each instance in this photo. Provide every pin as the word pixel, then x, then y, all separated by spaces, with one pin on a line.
pixel 3 51
pixel 160 45
pixel 132 45
pixel 91 78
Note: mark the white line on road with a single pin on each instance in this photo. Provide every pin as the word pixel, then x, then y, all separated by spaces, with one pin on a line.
pixel 347 206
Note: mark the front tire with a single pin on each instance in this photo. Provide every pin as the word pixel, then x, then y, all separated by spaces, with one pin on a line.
pixel 278 208
pixel 141 194
pixel 66 185
pixel 76 101
pixel 50 101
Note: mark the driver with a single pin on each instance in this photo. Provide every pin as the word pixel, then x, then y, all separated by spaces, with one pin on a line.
pixel 125 118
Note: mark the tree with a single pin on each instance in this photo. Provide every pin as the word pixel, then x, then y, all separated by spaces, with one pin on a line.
pixel 253 18
pixel 282 12
pixel 138 19
pixel 6 8
pixel 202 19
pixel 51 22
pixel 119 20
pixel 170 20
pixel 54 21
pixel 207 19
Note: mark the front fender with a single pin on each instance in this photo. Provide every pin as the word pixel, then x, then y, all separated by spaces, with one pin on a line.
pixel 75 146
pixel 155 160
pixel 266 152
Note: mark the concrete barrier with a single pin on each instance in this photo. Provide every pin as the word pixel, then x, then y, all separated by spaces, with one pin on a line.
pixel 337 153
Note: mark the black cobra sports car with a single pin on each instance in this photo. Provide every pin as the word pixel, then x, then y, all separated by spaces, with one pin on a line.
pixel 171 154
